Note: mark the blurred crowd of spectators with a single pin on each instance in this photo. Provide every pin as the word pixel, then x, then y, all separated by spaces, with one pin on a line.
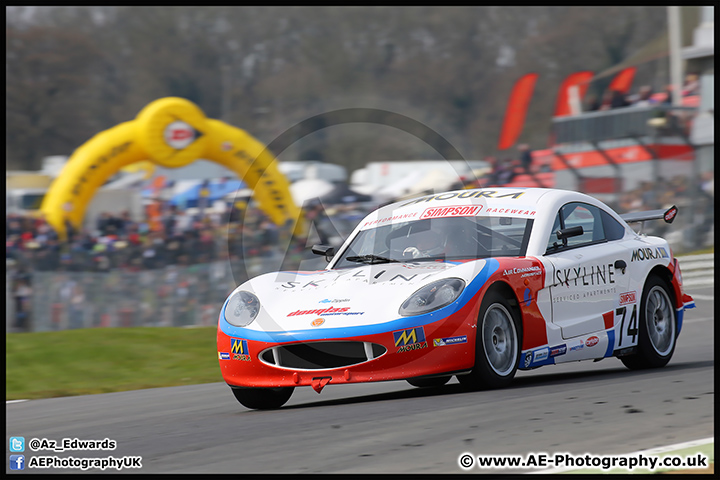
pixel 181 238
pixel 644 97
pixel 118 242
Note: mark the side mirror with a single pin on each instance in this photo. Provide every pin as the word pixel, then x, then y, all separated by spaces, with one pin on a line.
pixel 569 232
pixel 325 250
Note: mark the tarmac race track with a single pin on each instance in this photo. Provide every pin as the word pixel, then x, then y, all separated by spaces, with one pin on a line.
pixel 598 408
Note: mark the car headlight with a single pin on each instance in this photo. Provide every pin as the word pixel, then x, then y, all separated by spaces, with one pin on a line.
pixel 242 308
pixel 432 296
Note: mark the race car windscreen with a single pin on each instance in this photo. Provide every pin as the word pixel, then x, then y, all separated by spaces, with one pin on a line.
pixel 452 238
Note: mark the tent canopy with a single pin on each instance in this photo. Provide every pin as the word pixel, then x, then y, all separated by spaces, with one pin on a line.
pixel 216 191
pixel 343 194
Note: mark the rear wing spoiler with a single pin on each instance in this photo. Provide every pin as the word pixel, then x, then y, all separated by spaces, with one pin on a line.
pixel 667 215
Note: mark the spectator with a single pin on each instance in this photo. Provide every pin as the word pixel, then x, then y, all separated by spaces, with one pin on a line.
pixel 618 100
pixel 606 102
pixel 691 85
pixel 22 294
pixel 525 157
pixel 506 172
pixel 644 97
pixel 593 103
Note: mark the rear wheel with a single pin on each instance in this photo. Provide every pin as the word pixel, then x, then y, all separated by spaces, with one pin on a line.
pixel 263 398
pixel 497 345
pixel 658 327
pixel 429 382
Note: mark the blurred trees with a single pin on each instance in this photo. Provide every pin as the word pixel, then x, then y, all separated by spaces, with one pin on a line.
pixel 74 71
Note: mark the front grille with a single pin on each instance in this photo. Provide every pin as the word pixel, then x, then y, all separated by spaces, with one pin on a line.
pixel 322 355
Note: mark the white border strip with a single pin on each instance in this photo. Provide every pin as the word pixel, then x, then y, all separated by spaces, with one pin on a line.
pixel 652 451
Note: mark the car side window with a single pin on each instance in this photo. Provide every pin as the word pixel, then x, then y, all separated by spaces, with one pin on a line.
pixel 613 229
pixel 592 220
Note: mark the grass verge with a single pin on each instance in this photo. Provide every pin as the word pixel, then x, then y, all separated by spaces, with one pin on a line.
pixel 88 361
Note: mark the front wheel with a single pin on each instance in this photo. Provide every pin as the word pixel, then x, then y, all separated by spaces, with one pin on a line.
pixel 658 328
pixel 263 398
pixel 497 345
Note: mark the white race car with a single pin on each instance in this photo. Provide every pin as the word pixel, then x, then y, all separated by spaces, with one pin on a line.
pixel 473 283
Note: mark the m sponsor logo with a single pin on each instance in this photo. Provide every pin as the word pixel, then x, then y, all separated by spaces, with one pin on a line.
pixel 410 339
pixel 238 346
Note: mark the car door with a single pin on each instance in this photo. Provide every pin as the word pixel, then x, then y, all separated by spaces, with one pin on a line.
pixel 589 269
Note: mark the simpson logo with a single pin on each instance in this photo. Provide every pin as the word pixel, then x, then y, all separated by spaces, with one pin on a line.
pixel 540 355
pixel 223 355
pixel 452 211
pixel 627 298
pixel 411 339
pixel 441 342
pixel 592 341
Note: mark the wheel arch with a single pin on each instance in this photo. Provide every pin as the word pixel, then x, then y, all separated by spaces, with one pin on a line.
pixel 506 291
pixel 664 274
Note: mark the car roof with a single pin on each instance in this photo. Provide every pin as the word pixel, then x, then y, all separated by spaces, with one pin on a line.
pixel 501 201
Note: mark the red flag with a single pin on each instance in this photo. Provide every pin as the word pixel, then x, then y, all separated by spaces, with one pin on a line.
pixel 516 110
pixel 579 79
pixel 623 80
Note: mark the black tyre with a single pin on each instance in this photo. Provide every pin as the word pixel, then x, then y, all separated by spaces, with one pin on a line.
pixel 497 345
pixel 263 398
pixel 429 382
pixel 657 327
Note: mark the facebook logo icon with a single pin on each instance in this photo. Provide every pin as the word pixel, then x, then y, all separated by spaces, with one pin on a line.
pixel 17 444
pixel 17 462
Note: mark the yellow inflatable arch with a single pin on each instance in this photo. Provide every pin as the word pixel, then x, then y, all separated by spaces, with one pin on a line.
pixel 171 132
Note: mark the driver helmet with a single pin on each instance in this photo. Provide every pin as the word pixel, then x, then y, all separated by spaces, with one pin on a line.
pixel 430 243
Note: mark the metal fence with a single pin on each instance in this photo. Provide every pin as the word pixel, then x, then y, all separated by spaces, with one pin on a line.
pixel 172 296
pixel 627 122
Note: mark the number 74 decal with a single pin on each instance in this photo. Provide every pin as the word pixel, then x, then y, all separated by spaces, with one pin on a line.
pixel 632 326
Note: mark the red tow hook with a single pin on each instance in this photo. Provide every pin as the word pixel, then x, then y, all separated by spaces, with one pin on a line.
pixel 318 383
